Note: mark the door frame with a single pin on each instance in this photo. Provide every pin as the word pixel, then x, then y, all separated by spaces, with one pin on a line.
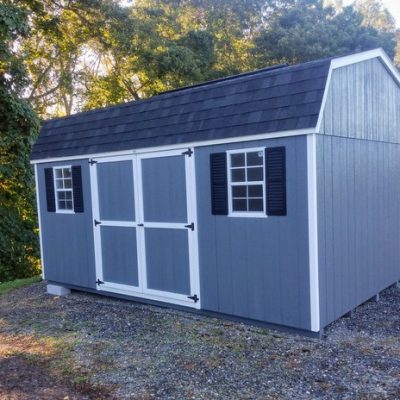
pixel 191 199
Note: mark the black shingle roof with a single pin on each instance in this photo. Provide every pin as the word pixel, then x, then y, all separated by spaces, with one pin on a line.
pixel 263 101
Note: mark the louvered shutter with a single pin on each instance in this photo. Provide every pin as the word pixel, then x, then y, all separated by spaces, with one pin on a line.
pixel 77 188
pixel 50 195
pixel 275 179
pixel 219 184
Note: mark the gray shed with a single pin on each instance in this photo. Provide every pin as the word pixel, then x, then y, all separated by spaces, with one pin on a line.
pixel 272 196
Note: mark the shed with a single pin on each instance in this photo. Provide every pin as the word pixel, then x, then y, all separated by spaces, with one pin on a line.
pixel 272 196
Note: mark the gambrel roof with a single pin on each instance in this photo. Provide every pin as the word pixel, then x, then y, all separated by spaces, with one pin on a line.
pixel 278 99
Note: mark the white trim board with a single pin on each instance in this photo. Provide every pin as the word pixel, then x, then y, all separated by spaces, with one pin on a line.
pixel 313 232
pixel 39 221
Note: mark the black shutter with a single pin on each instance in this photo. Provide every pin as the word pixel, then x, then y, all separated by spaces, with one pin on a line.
pixel 219 184
pixel 77 186
pixel 50 195
pixel 275 179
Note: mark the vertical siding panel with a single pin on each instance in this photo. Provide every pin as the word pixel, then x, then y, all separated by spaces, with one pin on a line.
pixel 321 196
pixel 329 215
pixel 365 99
pixel 257 267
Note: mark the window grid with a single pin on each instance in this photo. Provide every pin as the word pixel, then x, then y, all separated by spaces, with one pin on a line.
pixel 246 177
pixel 63 189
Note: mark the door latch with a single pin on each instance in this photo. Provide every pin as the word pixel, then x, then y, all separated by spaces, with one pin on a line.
pixel 194 298
pixel 191 226
pixel 99 282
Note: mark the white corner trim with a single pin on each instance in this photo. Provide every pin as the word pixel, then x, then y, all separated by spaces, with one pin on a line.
pixel 313 232
pixel 353 59
pixel 39 220
pixel 261 136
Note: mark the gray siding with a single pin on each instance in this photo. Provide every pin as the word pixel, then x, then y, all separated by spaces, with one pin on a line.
pixel 363 102
pixel 119 253
pixel 257 267
pixel 116 193
pixel 68 239
pixel 358 221
pixel 167 260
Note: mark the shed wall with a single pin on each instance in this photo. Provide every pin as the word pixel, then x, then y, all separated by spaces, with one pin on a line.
pixel 68 248
pixel 358 185
pixel 363 102
pixel 257 267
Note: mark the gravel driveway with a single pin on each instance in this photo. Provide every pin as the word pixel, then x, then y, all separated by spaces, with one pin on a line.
pixel 86 346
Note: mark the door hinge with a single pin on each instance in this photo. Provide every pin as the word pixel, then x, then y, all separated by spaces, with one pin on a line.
pixel 194 298
pixel 99 282
pixel 92 162
pixel 191 226
pixel 96 222
pixel 188 152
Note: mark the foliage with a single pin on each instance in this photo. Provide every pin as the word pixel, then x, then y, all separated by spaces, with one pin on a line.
pixel 17 283
pixel 304 30
pixel 18 128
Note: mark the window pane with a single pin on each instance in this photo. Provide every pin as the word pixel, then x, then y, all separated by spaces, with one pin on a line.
pixel 68 183
pixel 237 160
pixel 61 195
pixel 68 195
pixel 254 174
pixel 59 183
pixel 239 191
pixel 256 205
pixel 239 205
pixel 238 175
pixel 255 191
pixel 62 205
pixel 67 172
pixel 58 173
pixel 255 158
pixel 68 205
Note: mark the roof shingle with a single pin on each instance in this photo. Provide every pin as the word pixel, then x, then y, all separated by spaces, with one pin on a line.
pixel 260 102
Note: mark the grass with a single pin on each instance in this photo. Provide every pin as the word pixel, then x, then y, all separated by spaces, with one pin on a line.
pixel 6 287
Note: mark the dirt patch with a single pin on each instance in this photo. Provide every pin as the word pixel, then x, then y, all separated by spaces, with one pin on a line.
pixel 32 368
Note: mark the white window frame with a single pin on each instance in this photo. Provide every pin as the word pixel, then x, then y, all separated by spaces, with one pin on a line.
pixel 246 214
pixel 61 210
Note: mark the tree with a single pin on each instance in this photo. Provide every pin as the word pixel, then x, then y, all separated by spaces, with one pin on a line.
pixel 304 30
pixel 18 128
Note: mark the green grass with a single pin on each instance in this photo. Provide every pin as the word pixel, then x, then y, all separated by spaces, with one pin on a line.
pixel 5 287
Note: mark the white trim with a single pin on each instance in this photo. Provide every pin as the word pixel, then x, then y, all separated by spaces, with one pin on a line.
pixel 238 139
pixel 94 190
pixel 246 214
pixel 57 190
pixel 142 290
pixel 156 296
pixel 39 221
pixel 313 232
pixel 349 60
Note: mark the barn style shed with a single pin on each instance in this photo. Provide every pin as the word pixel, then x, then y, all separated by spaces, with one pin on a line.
pixel 272 196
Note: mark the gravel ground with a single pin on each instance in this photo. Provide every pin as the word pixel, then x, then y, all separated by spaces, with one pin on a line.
pixel 123 350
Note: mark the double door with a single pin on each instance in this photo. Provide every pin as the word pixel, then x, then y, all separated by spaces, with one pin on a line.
pixel 145 226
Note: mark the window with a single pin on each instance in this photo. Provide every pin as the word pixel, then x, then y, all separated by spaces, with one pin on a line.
pixel 246 182
pixel 63 189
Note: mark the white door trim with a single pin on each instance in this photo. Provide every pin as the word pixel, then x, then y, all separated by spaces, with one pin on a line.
pixel 142 290
pixel 192 235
